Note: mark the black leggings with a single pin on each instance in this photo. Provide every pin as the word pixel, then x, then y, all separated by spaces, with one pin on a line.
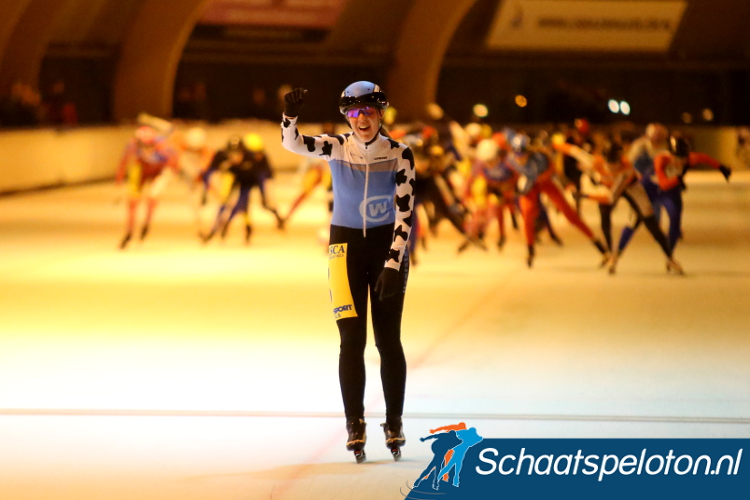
pixel 365 258
pixel 605 211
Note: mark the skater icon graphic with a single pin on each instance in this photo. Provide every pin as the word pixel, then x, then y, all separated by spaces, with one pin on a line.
pixel 450 447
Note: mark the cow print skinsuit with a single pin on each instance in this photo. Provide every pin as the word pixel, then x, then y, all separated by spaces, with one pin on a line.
pixel 373 198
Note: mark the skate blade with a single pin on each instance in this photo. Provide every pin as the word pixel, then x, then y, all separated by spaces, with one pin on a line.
pixel 360 456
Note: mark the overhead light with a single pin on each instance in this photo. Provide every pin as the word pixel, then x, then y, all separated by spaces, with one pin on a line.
pixel 687 117
pixel 521 101
pixel 481 111
pixel 624 107
pixel 614 106
pixel 708 115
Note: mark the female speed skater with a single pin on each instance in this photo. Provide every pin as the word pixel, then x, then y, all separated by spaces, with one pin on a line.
pixel 613 170
pixel 536 177
pixel 373 186
pixel 148 161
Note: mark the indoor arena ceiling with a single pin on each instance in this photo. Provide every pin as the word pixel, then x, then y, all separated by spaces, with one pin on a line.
pixel 413 39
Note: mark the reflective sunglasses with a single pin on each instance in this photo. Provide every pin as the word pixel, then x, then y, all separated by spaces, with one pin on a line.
pixel 366 110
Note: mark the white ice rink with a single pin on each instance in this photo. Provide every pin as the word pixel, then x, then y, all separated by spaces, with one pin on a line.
pixel 175 370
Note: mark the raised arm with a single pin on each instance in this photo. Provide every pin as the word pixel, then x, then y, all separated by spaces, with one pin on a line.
pixel 321 146
pixel 585 159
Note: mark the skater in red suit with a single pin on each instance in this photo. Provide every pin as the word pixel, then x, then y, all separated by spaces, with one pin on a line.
pixel 149 163
pixel 536 176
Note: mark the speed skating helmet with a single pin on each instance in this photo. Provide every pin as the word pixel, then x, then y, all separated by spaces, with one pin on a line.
pixel 520 143
pixel 500 139
pixel 145 135
pixel 679 146
pixel 362 93
pixel 234 143
pixel 436 151
pixel 487 150
pixel 582 125
pixel 656 132
pixel 253 142
pixel 195 138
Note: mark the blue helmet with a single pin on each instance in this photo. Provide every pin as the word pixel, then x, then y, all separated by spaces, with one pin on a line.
pixel 520 143
pixel 365 93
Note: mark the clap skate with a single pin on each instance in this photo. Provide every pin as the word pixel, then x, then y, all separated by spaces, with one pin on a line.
pixel 357 438
pixel 530 257
pixel 612 269
pixel 674 266
pixel 394 437
pixel 125 240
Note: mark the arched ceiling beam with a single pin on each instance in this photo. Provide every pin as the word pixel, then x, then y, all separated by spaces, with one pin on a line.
pixel 27 41
pixel 419 52
pixel 151 51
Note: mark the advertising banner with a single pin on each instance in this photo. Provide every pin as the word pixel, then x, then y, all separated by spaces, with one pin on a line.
pixel 313 14
pixel 585 25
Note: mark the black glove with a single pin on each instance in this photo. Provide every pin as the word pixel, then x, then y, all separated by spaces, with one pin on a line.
pixel 293 102
pixel 725 171
pixel 388 283
pixel 683 186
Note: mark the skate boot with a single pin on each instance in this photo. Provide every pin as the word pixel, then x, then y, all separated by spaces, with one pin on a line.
pixel 479 243
pixel 613 263
pixel 144 232
pixel 205 238
pixel 280 221
pixel 600 246
pixel 394 437
pixel 125 241
pixel 248 233
pixel 501 243
pixel 224 231
pixel 674 266
pixel 556 239
pixel 357 438
pixel 530 257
